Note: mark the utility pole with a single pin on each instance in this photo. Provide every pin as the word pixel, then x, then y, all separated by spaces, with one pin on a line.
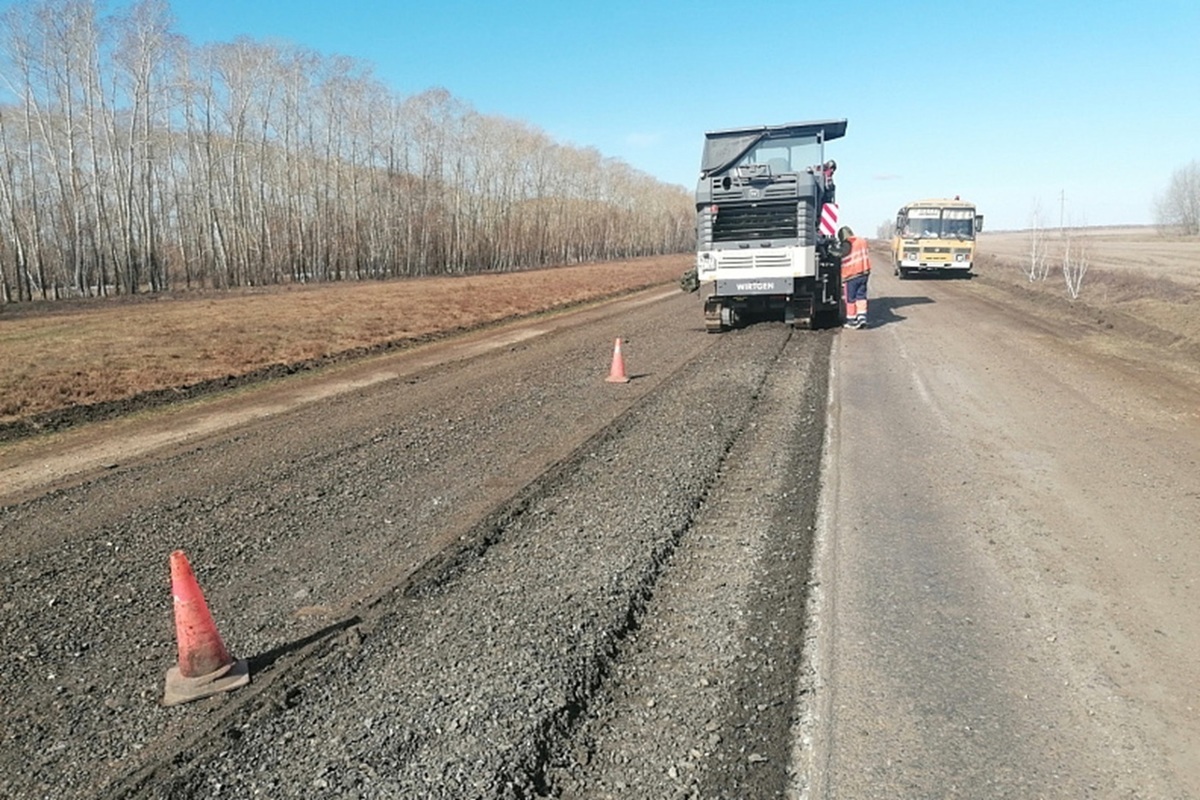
pixel 1062 203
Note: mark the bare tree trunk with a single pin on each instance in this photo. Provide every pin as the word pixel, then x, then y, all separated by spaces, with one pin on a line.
pixel 1076 258
pixel 22 31
pixel 143 55
pixel 20 267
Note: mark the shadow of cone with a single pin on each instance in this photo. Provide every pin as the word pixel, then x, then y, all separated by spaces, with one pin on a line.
pixel 617 373
pixel 205 666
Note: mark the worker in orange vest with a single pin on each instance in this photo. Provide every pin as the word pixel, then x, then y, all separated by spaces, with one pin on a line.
pixel 856 269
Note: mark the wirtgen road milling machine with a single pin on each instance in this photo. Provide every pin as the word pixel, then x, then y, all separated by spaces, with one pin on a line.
pixel 766 225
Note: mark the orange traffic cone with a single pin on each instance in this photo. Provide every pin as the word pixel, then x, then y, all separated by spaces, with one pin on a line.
pixel 205 666
pixel 617 373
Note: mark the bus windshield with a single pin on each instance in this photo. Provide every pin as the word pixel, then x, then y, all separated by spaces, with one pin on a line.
pixel 938 223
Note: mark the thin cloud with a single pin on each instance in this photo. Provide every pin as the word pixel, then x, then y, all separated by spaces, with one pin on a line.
pixel 886 176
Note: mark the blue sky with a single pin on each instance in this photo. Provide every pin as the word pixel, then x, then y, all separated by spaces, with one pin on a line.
pixel 1087 107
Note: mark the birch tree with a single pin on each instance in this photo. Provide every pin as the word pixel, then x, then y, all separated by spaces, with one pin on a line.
pixel 1076 258
pixel 1038 265
pixel 142 61
pixel 131 160
pixel 1179 205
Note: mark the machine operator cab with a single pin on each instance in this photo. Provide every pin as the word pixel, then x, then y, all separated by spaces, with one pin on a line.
pixel 762 246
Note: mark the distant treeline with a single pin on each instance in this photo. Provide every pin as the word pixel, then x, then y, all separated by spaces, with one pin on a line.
pixel 131 161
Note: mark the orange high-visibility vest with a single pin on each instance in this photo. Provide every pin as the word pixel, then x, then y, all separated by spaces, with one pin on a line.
pixel 859 260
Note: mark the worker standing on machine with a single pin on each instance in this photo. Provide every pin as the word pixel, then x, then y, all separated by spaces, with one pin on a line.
pixel 856 269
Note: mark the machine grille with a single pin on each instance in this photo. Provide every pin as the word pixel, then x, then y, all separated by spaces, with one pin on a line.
pixel 755 260
pixel 756 221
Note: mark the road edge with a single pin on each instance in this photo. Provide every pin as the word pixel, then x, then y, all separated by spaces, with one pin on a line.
pixel 810 742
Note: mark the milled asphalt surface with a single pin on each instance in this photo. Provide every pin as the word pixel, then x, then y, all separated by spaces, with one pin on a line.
pixel 438 581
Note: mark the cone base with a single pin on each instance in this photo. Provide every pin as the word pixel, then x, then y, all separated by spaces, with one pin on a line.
pixel 181 689
pixel 617 379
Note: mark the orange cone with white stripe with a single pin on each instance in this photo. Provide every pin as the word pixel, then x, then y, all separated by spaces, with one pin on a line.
pixel 617 373
pixel 205 666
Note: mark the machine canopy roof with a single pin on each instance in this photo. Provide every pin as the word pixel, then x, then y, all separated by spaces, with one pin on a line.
pixel 723 148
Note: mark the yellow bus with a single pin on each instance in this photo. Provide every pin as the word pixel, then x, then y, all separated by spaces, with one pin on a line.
pixel 935 236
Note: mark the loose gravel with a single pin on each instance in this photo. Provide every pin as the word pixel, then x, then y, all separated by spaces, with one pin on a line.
pixel 477 583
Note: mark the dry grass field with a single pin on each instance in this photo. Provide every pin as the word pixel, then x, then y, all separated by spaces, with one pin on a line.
pixel 1141 252
pixel 81 355
pixel 65 362
pixel 1146 282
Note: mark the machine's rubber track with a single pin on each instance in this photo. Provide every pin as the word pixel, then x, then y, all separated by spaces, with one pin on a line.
pixel 712 317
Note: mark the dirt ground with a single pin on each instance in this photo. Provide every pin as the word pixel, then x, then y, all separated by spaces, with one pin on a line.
pixel 88 360
pixel 1140 274
pixel 1142 251
pixel 473 568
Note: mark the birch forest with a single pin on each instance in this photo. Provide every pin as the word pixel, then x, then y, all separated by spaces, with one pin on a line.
pixel 134 161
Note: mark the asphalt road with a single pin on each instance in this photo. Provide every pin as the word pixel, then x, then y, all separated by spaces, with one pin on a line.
pixel 1007 603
